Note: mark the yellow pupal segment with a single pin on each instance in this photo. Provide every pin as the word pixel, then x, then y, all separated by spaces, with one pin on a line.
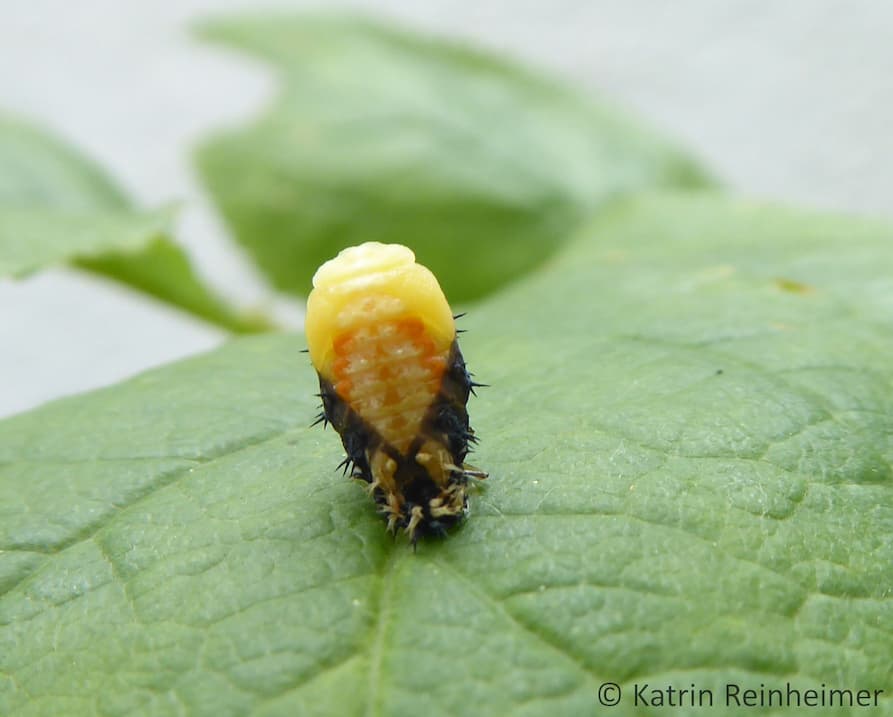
pixel 370 284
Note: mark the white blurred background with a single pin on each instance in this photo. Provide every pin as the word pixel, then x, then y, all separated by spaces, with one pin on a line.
pixel 791 100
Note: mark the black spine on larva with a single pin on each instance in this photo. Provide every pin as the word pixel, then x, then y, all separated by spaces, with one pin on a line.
pixel 448 415
pixel 356 435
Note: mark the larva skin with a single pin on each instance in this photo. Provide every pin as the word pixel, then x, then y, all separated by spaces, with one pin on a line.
pixel 410 486
pixel 393 384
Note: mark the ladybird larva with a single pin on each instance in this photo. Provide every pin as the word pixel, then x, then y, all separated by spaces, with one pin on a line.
pixel 393 383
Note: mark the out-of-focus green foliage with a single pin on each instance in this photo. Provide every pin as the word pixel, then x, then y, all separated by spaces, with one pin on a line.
pixel 56 207
pixel 482 167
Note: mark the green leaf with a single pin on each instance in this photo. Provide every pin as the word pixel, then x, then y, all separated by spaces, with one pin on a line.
pixel 689 438
pixel 56 207
pixel 383 135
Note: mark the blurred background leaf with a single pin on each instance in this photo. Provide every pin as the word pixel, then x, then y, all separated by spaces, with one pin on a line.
pixel 481 166
pixel 688 436
pixel 57 207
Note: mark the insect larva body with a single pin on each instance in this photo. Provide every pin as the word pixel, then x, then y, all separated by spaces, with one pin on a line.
pixel 393 383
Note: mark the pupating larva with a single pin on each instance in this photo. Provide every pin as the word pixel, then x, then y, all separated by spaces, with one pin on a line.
pixel 393 383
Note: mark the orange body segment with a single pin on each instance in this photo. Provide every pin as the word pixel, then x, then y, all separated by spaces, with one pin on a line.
pixel 389 372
